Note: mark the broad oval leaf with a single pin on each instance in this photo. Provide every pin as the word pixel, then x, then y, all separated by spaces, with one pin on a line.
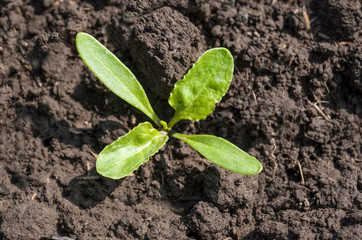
pixel 194 96
pixel 223 153
pixel 128 152
pixel 114 74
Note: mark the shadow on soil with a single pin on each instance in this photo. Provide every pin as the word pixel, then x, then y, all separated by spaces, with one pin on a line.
pixel 45 126
pixel 197 186
pixel 89 190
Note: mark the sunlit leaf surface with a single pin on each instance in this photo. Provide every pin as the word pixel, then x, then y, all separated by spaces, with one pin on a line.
pixel 114 74
pixel 194 96
pixel 126 154
pixel 222 153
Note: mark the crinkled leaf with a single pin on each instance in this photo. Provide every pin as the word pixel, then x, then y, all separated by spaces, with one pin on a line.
pixel 223 153
pixel 114 74
pixel 194 96
pixel 126 154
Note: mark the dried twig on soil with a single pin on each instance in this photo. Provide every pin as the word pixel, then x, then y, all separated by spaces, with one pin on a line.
pixel 94 154
pixel 291 61
pixel 324 36
pixel 34 196
pixel 272 141
pixel 74 131
pixel 319 110
pixel 301 172
pixel 250 86
pixel 88 166
pixel 325 85
pixel 306 203
pixel 306 18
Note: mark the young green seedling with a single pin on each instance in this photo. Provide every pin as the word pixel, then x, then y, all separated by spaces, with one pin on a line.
pixel 193 98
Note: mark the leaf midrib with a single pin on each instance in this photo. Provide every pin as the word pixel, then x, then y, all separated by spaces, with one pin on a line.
pixel 145 146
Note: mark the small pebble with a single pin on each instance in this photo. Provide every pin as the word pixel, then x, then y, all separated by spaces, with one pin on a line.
pixel 242 16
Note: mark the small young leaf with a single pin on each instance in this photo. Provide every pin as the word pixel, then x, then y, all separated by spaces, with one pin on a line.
pixel 194 96
pixel 223 153
pixel 126 154
pixel 114 74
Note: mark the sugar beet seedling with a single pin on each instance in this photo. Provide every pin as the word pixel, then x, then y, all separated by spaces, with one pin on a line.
pixel 193 98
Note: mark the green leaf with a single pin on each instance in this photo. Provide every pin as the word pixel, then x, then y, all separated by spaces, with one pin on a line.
pixel 194 96
pixel 223 153
pixel 114 74
pixel 128 152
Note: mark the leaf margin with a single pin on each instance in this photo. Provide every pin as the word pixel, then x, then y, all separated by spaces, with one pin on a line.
pixel 182 84
pixel 139 129
pixel 258 167
pixel 144 104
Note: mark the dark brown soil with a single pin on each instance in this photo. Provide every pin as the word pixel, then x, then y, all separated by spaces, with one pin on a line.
pixel 295 103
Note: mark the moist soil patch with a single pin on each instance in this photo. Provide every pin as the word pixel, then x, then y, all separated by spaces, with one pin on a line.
pixel 295 103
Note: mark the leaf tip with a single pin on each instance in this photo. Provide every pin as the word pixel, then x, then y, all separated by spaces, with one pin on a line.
pixel 253 166
pixel 80 36
pixel 259 167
